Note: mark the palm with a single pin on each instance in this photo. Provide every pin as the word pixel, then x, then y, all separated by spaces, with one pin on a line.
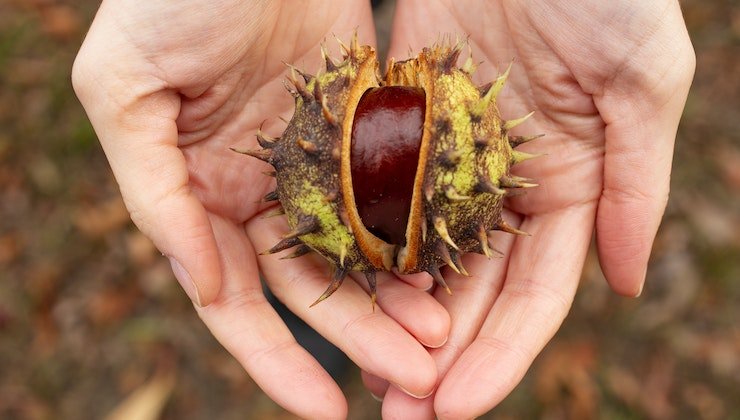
pixel 576 79
pixel 539 81
pixel 231 106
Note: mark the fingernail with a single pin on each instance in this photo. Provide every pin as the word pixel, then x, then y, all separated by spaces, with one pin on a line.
pixel 639 292
pixel 642 282
pixel 186 282
pixel 376 398
pixel 418 397
pixel 435 346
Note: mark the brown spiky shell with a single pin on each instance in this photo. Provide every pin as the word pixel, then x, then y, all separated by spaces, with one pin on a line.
pixel 460 182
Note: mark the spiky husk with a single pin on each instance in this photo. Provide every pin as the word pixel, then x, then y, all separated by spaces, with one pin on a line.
pixel 461 179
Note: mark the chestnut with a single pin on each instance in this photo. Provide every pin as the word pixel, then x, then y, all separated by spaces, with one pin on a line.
pixel 403 172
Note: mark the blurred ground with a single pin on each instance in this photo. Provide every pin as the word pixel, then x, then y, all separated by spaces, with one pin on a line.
pixel 89 312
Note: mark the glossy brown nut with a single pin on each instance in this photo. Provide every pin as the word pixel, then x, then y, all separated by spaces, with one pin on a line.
pixel 386 136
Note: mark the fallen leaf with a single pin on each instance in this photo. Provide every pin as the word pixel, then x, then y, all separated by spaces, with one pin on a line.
pixel 707 405
pixel 146 402
pixel 10 247
pixel 728 159
pixel 101 219
pixel 157 280
pixel 656 388
pixel 565 380
pixel 45 174
pixel 624 385
pixel 140 249
pixel 60 21
pixel 5 318
pixel 112 305
pixel 672 285
pixel 718 223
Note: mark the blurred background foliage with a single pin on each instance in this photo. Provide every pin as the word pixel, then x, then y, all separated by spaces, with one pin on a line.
pixel 92 323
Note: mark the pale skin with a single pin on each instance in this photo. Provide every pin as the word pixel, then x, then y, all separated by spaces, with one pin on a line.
pixel 169 88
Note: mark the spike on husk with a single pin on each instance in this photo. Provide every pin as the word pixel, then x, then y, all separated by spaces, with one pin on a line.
pixel 336 281
pixel 307 146
pixel 458 263
pixel 278 211
pixel 299 251
pixel 519 157
pixel 444 254
pixel 372 284
pixel 261 154
pixel 483 240
pixel 331 66
pixel 306 225
pixel 485 185
pixel 284 244
pixel 505 227
pixel 271 196
pixel 437 276
pixel 515 141
pixel 508 125
pixel 510 181
pixel 441 227
pixel 265 141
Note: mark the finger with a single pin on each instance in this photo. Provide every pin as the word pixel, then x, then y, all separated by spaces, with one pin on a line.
pixel 421 281
pixel 406 37
pixel 541 281
pixel 374 341
pixel 640 134
pixel 376 386
pixel 250 329
pixel 468 306
pixel 135 121
pixel 405 303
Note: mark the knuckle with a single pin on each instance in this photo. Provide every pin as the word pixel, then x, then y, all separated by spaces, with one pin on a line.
pixel 495 345
pixel 553 300
pixel 629 194
pixel 354 327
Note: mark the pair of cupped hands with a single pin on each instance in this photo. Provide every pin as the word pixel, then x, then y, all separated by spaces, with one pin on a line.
pixel 169 86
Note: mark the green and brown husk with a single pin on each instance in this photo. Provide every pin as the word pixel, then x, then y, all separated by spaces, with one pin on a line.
pixel 462 177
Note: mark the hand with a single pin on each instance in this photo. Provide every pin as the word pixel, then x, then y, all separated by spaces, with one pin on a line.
pixel 608 82
pixel 169 87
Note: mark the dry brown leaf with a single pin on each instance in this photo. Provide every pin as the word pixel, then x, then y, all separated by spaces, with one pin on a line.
pixel 112 305
pixel 157 280
pixel 45 174
pixel 99 220
pixel 146 402
pixel 624 385
pixel 11 247
pixel 704 401
pixel 60 21
pixel 42 286
pixel 728 159
pixel 140 249
pixel 673 282
pixel 565 379
pixel 656 388
pixel 717 222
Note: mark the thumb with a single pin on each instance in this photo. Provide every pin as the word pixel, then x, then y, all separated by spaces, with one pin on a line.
pixel 641 108
pixel 134 118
